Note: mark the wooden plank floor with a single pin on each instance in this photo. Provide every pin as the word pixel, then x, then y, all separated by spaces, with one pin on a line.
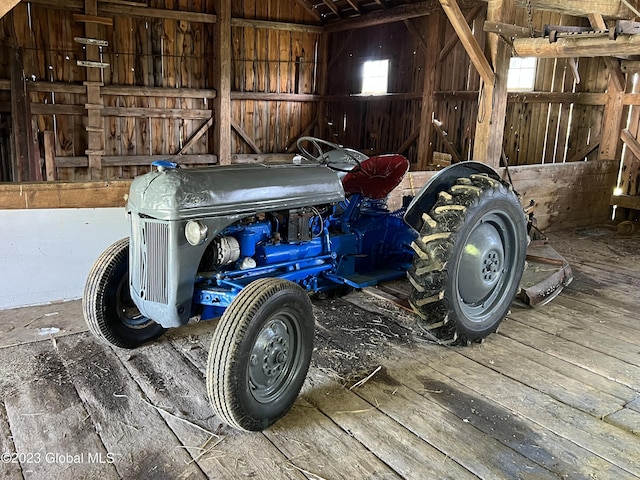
pixel 555 394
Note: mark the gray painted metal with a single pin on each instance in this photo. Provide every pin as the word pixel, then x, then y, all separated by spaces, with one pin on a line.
pixel 163 268
pixel 181 194
pixel 442 181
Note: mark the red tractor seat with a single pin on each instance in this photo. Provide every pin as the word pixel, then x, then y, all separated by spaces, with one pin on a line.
pixel 378 176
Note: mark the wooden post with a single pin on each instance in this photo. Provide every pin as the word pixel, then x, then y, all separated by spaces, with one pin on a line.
pixel 492 109
pixel 431 84
pixel 322 74
pixel 6 6
pixel 49 140
pixel 222 103
pixel 26 163
pixel 459 24
pixel 613 110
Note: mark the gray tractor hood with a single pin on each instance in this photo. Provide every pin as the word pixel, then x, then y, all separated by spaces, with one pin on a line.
pixel 184 193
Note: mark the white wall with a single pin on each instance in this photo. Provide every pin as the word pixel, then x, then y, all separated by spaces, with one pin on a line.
pixel 45 255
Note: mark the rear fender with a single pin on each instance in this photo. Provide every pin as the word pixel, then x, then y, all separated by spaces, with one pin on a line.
pixel 424 201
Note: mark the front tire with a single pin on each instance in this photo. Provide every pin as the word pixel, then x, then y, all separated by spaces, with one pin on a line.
pixel 260 354
pixel 108 309
pixel 469 260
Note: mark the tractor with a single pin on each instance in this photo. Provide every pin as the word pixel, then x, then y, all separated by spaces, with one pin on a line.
pixel 247 244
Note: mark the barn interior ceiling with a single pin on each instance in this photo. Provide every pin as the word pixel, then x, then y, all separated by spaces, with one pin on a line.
pixel 329 11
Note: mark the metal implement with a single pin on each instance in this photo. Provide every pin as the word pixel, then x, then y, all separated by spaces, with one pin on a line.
pixel 626 27
pixel 546 275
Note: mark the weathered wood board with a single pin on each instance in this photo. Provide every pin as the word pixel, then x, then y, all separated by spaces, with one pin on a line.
pixel 554 394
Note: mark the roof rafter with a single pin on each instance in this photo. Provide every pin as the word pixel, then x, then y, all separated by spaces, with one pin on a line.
pixel 582 8
pixel 379 17
pixel 310 8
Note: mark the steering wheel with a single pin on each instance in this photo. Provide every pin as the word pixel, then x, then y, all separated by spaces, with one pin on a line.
pixel 349 161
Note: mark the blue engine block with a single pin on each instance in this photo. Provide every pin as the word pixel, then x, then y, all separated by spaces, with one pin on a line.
pixel 357 243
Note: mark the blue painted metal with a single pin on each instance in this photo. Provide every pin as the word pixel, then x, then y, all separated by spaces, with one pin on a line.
pixel 360 243
pixel 292 222
pixel 162 165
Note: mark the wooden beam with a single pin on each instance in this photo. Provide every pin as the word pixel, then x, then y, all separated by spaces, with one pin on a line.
pixel 125 90
pixel 459 24
pixel 245 137
pixel 261 157
pixel 566 98
pixel 614 109
pixel 179 15
pixel 196 136
pixel 304 133
pixel 136 160
pixel 631 142
pixel 416 34
pixel 453 41
pixel 581 8
pixel 6 6
pixel 49 140
pixel 624 45
pixel 611 126
pixel 448 144
pixel 282 26
pixel 585 150
pixel 372 98
pixel 275 97
pixel 222 82
pixel 64 195
pixel 26 158
pixel 321 85
pixel 344 45
pixel 410 139
pixel 354 5
pixel 332 7
pixel 492 108
pixel 506 30
pixel 310 8
pixel 432 74
pixel 82 18
pixel 110 8
pixel 626 201
pixel 185 113
pixel 630 66
pixel 380 17
pixel 617 79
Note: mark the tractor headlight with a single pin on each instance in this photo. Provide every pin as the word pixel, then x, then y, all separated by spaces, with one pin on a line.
pixel 195 232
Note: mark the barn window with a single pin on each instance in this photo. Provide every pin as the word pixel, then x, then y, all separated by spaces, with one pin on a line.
pixel 522 73
pixel 375 77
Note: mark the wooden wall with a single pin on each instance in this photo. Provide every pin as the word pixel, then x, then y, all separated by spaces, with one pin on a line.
pixel 143 54
pixel 375 124
pixel 288 78
pixel 274 76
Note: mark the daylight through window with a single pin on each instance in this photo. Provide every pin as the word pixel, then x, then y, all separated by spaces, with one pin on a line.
pixel 375 77
pixel 522 73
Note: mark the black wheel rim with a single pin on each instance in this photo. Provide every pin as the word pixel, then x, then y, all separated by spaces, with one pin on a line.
pixel 484 277
pixel 275 357
pixel 127 311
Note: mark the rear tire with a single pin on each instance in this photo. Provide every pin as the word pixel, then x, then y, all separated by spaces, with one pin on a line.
pixel 260 354
pixel 469 260
pixel 108 309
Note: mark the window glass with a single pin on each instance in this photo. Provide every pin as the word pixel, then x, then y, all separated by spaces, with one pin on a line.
pixel 522 73
pixel 375 77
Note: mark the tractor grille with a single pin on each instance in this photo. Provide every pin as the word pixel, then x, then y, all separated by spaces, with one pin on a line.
pixel 153 260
